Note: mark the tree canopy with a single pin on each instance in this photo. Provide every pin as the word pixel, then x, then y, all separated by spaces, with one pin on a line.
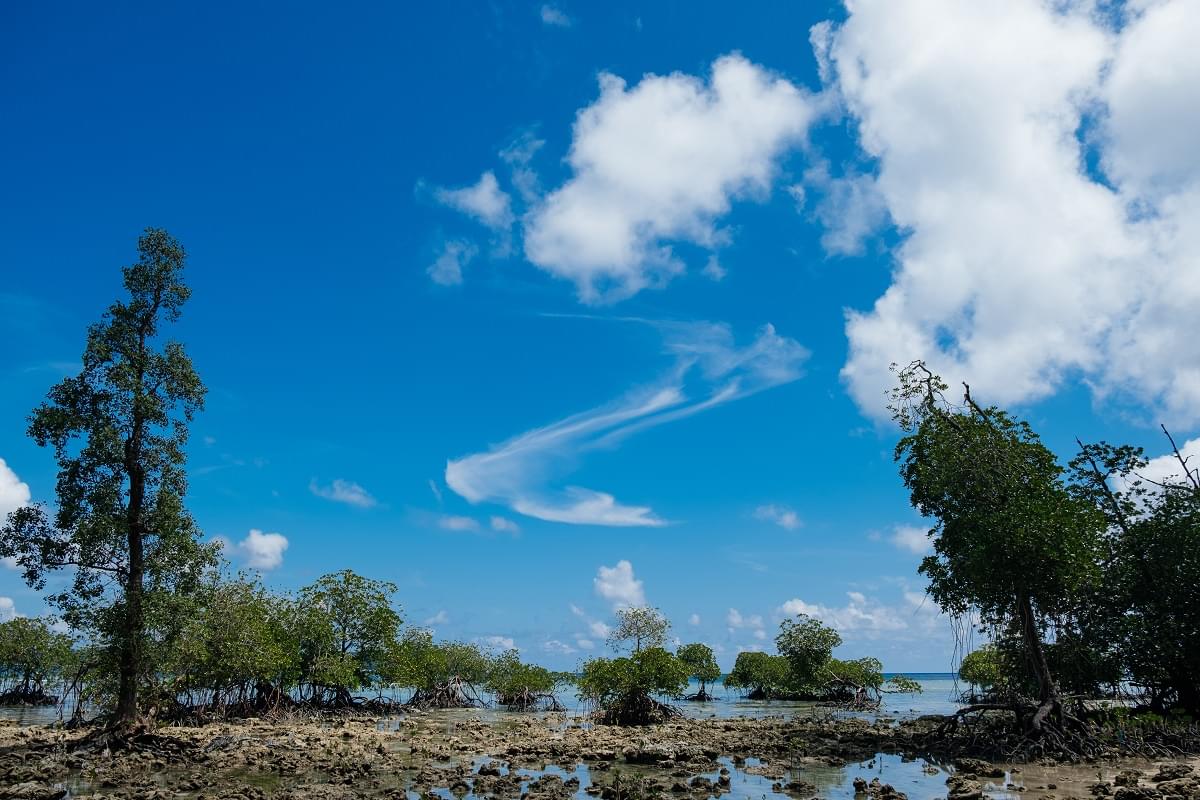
pixel 639 626
pixel 118 431
pixel 1010 540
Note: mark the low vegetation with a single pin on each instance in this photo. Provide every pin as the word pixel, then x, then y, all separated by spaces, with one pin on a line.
pixel 34 657
pixel 805 669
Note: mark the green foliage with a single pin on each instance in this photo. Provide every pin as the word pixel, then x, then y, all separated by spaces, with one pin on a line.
pixel 850 676
pixel 418 662
pixel 981 667
pixel 1011 540
pixel 238 645
pixel 641 626
pixel 33 656
pixel 346 628
pixel 899 684
pixel 118 431
pixel 808 645
pixel 805 669
pixel 1145 617
pixel 649 671
pixel 762 676
pixel 517 684
pixel 700 662
pixel 1006 526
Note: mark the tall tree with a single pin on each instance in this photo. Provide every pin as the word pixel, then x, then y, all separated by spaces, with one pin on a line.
pixel 1009 539
pixel 118 430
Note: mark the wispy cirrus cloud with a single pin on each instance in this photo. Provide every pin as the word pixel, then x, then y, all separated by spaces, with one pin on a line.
pixel 555 17
pixel 485 201
pixel 782 516
pixel 343 491
pixel 708 369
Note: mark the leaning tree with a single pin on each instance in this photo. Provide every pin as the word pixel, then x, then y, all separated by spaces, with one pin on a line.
pixel 1009 540
pixel 118 430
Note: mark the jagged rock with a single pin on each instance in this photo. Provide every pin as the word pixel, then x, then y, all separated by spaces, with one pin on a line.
pixel 1170 772
pixel 961 787
pixel 800 789
pixel 1186 788
pixel 978 767
pixel 1128 777
pixel 1137 793
pixel 32 790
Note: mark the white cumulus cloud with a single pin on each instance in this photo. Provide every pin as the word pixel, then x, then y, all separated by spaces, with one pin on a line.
pixel 262 551
pixel 14 493
pixel 736 619
pixel 861 615
pixel 658 163
pixel 1020 266
pixel 912 538
pixel 618 586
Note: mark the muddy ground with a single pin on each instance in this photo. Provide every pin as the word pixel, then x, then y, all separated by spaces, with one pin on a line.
pixel 450 755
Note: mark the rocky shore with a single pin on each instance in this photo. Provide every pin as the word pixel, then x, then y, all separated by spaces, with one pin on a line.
pixel 546 757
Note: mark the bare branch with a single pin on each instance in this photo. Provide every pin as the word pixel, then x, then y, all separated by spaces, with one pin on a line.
pixel 1193 477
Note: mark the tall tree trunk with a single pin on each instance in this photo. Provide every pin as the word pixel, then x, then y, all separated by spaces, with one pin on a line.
pixel 1048 697
pixel 131 644
pixel 134 623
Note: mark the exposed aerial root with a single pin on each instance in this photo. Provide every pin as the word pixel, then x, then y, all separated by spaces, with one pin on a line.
pixel 455 693
pixel 636 708
pixel 527 700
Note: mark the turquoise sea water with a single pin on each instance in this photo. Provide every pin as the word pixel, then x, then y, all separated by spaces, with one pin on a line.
pixel 937 696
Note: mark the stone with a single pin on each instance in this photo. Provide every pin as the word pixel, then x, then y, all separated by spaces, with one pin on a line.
pixel 1170 772
pixel 1127 777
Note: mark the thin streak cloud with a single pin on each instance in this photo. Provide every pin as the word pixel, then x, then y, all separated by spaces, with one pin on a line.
pixel 708 369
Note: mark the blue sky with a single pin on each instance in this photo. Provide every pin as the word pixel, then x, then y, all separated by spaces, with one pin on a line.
pixel 536 310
